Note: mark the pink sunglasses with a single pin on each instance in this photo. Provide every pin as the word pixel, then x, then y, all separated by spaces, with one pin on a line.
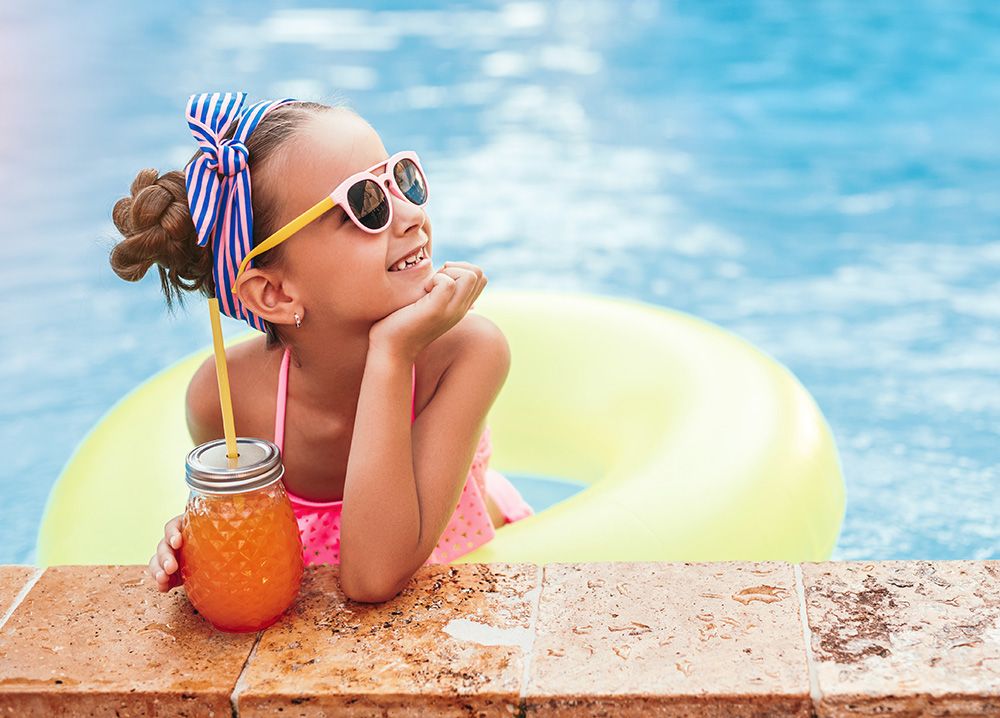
pixel 363 198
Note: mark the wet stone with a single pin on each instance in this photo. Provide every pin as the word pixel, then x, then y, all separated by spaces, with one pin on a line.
pixel 669 639
pixel 905 638
pixel 101 640
pixel 453 643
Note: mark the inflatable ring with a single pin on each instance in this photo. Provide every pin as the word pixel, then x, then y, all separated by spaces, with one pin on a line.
pixel 693 445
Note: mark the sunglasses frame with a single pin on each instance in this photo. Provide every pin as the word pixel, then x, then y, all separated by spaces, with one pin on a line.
pixel 338 198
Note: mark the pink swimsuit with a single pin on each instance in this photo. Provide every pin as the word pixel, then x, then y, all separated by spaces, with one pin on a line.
pixel 470 526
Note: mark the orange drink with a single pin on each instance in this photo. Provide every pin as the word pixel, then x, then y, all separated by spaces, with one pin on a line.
pixel 241 560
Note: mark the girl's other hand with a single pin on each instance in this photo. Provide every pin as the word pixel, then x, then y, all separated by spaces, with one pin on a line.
pixel 451 292
pixel 163 566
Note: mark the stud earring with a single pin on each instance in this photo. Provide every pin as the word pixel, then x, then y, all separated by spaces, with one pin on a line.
pixel 298 321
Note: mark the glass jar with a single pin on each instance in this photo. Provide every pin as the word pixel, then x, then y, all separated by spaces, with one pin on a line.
pixel 241 560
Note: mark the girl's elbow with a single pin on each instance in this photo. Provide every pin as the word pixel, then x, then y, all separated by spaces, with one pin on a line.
pixel 368 594
pixel 367 588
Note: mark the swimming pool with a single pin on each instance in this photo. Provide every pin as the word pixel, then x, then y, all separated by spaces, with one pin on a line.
pixel 820 178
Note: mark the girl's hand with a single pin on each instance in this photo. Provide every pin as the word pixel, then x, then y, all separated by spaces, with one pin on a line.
pixel 163 566
pixel 451 292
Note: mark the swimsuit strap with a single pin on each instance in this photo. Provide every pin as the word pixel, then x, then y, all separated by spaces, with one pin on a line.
pixel 282 400
pixel 279 413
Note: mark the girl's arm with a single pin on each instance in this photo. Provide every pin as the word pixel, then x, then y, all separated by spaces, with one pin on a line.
pixel 404 482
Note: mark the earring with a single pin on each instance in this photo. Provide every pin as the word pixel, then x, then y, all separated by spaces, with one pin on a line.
pixel 298 321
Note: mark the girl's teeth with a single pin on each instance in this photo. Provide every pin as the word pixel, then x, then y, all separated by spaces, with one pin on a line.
pixel 408 261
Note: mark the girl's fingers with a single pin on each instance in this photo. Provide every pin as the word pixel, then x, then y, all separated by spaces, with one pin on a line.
pixel 163 565
pixel 164 580
pixel 443 286
pixel 165 559
pixel 470 278
pixel 154 566
pixel 462 270
pixel 172 532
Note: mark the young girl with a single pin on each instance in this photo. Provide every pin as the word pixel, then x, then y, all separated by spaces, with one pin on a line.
pixel 372 378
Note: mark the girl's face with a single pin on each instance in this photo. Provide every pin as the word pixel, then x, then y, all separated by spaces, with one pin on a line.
pixel 338 269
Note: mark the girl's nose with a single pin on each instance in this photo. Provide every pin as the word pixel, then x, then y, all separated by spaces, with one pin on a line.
pixel 404 212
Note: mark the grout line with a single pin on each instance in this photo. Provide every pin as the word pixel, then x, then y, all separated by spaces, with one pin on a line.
pixel 815 694
pixel 22 594
pixel 532 627
pixel 234 697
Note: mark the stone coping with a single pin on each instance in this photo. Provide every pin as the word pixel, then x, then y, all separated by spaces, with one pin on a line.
pixel 604 639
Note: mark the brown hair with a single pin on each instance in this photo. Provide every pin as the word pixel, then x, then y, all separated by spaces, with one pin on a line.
pixel 155 220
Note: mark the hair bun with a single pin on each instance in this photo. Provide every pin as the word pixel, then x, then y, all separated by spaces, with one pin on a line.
pixel 156 224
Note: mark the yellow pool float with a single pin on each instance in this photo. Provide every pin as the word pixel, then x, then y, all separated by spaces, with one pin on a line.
pixel 693 445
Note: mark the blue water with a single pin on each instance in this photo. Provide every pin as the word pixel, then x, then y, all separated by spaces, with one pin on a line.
pixel 818 177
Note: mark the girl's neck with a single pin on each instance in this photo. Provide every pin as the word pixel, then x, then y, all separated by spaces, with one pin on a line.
pixel 328 371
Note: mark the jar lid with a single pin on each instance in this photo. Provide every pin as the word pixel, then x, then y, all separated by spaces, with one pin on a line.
pixel 258 465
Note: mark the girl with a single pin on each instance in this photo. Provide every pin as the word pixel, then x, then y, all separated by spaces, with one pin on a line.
pixel 372 377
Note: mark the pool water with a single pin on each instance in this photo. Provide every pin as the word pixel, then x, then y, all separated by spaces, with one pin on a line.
pixel 820 178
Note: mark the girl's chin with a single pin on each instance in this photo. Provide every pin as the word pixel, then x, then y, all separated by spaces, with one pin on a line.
pixel 415 292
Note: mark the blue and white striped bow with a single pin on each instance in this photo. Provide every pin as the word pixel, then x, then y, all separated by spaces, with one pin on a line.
pixel 218 188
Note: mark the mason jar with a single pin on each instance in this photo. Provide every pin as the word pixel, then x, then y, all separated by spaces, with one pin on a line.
pixel 241 557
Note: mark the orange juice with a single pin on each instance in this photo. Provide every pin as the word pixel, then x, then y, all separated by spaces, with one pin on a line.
pixel 241 560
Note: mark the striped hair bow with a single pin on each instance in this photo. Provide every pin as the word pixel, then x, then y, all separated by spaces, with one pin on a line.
pixel 218 188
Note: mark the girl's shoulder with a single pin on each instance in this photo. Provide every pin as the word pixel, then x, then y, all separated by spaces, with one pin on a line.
pixel 250 364
pixel 474 339
pixel 473 351
pixel 247 358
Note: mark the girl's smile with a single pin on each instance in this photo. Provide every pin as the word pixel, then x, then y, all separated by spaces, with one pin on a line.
pixel 417 258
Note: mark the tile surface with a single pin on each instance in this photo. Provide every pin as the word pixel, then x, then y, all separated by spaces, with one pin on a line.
pixel 666 639
pixel 12 580
pixel 669 639
pixel 905 638
pixel 451 644
pixel 100 640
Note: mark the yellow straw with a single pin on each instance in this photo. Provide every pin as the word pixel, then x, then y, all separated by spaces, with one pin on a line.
pixel 223 373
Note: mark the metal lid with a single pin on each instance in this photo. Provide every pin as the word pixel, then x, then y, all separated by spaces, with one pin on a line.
pixel 258 465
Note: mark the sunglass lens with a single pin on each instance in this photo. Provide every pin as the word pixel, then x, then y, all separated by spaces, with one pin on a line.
pixel 369 204
pixel 410 181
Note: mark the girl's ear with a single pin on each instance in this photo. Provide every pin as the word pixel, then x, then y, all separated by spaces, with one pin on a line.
pixel 264 295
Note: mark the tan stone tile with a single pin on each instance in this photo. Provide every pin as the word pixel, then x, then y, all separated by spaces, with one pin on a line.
pixel 669 639
pixel 905 638
pixel 451 644
pixel 13 579
pixel 100 640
